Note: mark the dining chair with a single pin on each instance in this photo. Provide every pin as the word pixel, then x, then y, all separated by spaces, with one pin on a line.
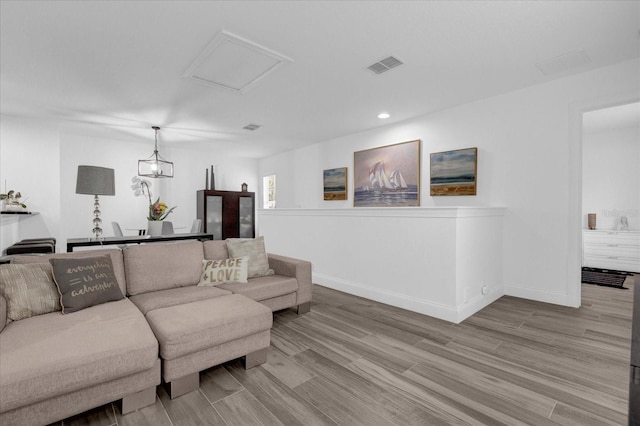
pixel 197 226
pixel 167 228
pixel 117 231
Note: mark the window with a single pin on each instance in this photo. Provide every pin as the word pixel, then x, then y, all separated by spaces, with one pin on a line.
pixel 269 191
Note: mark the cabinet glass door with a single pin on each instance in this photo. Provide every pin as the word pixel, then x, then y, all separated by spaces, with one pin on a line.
pixel 246 217
pixel 214 216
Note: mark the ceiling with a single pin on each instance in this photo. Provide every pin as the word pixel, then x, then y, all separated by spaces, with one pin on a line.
pixel 120 66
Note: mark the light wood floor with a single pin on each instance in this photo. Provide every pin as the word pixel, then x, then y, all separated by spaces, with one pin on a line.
pixel 351 361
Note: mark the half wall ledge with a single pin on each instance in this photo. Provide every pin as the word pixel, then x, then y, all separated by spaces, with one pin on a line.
pixel 445 262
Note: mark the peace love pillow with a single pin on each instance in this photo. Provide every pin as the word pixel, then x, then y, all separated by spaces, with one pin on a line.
pixel 215 272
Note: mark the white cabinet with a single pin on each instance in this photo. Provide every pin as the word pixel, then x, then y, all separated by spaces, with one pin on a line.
pixel 617 250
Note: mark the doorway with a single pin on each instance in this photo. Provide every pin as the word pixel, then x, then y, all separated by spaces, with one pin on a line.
pixel 610 190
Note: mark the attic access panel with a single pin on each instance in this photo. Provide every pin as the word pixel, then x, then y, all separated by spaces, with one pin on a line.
pixel 234 63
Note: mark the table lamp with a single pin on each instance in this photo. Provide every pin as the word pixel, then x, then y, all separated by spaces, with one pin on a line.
pixel 93 180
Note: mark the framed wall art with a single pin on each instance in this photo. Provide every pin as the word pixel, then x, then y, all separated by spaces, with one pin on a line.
pixel 388 176
pixel 454 172
pixel 335 184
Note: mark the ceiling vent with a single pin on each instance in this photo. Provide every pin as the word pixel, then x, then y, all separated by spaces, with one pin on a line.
pixel 384 65
pixel 561 64
pixel 252 127
pixel 234 63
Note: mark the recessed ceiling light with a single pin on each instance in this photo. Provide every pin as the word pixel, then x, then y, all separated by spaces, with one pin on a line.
pixel 384 115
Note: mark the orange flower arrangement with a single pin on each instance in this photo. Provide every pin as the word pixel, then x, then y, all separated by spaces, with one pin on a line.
pixel 157 210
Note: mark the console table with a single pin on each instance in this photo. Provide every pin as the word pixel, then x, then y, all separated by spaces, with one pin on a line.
pixel 136 239
pixel 615 250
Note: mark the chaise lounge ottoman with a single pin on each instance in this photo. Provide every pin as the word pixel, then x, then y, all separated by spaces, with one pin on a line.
pixel 198 335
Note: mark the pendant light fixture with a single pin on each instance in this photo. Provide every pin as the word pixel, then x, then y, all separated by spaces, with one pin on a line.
pixel 155 166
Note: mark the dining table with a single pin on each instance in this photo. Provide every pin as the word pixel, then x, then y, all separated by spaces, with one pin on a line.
pixel 134 239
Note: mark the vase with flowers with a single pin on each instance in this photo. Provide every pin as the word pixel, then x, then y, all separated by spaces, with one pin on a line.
pixel 158 210
pixel 12 201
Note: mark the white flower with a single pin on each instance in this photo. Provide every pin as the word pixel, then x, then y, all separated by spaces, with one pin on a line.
pixel 139 186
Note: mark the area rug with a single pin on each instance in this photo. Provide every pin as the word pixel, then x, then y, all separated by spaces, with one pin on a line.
pixel 604 277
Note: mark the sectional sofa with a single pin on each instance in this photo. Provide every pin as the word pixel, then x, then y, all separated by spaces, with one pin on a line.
pixel 168 328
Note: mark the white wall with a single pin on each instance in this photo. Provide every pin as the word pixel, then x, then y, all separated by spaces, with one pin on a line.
pixel 525 154
pixel 30 164
pixel 41 159
pixel 611 177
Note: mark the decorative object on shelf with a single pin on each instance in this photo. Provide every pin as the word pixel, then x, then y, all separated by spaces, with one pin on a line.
pixel 388 176
pixel 155 166
pixel 93 180
pixel 335 184
pixel 206 178
pixel 245 187
pixel 213 180
pixel 158 210
pixel 624 224
pixel 591 220
pixel 11 201
pixel 454 172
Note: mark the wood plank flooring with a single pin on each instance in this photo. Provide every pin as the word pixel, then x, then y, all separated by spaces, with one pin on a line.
pixel 352 361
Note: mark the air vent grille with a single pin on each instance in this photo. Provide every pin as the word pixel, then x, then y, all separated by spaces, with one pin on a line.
pixel 252 127
pixel 570 61
pixel 384 65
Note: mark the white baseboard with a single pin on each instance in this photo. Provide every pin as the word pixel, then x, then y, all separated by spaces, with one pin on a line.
pixel 539 295
pixel 454 314
pixel 478 303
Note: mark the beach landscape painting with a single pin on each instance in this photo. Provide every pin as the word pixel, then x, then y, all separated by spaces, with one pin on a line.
pixel 335 184
pixel 454 172
pixel 388 176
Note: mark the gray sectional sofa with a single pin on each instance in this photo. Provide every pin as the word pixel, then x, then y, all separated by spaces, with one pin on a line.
pixel 167 329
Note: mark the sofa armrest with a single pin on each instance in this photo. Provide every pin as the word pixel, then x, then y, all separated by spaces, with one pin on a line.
pixel 296 268
pixel 3 312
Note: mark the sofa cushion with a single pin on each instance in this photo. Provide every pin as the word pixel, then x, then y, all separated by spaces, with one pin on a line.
pixel 52 354
pixel 116 260
pixel 220 271
pixel 147 302
pixel 29 290
pixel 191 327
pixel 262 288
pixel 3 312
pixel 159 266
pixel 215 249
pixel 85 282
pixel 254 248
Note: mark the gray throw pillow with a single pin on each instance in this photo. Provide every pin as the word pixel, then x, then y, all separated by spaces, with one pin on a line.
pixel 28 289
pixel 85 282
pixel 254 248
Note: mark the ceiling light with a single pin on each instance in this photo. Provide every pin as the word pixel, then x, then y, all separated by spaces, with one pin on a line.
pixel 155 166
pixel 384 115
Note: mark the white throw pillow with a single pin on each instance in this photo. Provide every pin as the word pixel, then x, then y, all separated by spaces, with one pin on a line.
pixel 254 248
pixel 215 272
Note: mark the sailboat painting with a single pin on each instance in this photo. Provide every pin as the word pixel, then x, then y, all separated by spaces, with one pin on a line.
pixel 454 172
pixel 388 176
